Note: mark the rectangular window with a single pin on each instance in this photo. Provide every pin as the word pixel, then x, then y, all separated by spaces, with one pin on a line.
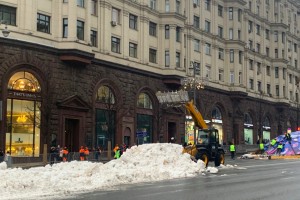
pixel 268 71
pixel 258 86
pixel 220 32
pixel 240 57
pixel 115 15
pixel 239 34
pixel 290 78
pixel 276 72
pixel 257 29
pixel 239 15
pixel 132 50
pixel 167 58
pixel 177 60
pixel 207 4
pixel 230 15
pixel 275 36
pixel 133 21
pixel 258 68
pixel 196 22
pixel 283 73
pixel 80 30
pixel 231 78
pixel 220 11
pixel 258 47
pixel 167 5
pixel 196 45
pixel 240 77
pixel 152 4
pixel 268 89
pixel 268 51
pixel 231 55
pixel 295 47
pixel 177 6
pixel 8 14
pixel 178 38
pixel 250 26
pixel 94 7
pixel 283 37
pixel 167 32
pixel 276 53
pixel 251 64
pixel 65 27
pixel 43 23
pixel 152 55
pixel 152 29
pixel 277 90
pixel 267 34
pixel 207 48
pixel 94 40
pixel 115 45
pixel 230 34
pixel 207 26
pixel 208 69
pixel 251 84
pixel 221 53
pixel 221 75
pixel 80 3
pixel 296 63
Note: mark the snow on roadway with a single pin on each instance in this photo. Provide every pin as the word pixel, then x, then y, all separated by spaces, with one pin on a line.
pixel 143 163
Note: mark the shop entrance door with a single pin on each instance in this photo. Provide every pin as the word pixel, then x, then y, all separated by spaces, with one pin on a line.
pixel 72 134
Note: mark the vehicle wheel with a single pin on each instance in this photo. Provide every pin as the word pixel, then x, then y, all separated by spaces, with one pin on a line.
pixel 219 159
pixel 203 156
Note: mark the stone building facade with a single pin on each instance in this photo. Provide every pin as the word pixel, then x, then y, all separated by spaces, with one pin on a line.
pixel 87 72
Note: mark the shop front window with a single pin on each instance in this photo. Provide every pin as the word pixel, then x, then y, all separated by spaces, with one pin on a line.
pixel 23 115
pixel 248 129
pixel 144 129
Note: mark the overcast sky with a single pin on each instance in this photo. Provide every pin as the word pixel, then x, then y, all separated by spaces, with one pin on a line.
pixel 148 162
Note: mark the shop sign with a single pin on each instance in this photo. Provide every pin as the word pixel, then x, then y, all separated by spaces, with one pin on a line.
pixel 23 95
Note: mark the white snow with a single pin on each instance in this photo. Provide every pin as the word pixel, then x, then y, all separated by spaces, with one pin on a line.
pixel 143 163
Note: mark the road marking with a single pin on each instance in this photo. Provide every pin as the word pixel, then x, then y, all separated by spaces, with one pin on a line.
pixel 287 178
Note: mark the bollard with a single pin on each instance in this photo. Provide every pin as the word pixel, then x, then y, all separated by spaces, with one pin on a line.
pixel 9 161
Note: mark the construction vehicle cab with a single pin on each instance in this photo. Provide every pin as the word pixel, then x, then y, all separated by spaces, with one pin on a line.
pixel 207 146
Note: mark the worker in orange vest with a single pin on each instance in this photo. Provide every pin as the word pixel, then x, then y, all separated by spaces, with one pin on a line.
pixel 65 154
pixel 86 153
pixel 81 153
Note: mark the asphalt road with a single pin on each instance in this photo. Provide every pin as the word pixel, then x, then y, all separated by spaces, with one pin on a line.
pixel 248 180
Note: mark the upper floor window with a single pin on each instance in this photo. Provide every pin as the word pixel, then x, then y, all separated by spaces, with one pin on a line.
pixel 167 5
pixel 152 55
pixel 178 34
pixel 207 4
pixel 276 72
pixel 230 13
pixel 239 15
pixel 65 27
pixel 196 45
pixel 115 15
pixel 276 36
pixel 207 48
pixel 167 32
pixel 196 22
pixel 231 55
pixel 268 70
pixel 178 6
pixel 267 34
pixel 221 53
pixel 230 34
pixel 94 7
pixel 132 50
pixel 220 10
pixel 220 31
pixel 152 4
pixel 177 59
pixel 80 3
pixel 207 26
pixel 167 58
pixel 115 45
pixel 105 95
pixel 43 23
pixel 144 101
pixel 94 40
pixel 257 29
pixel 152 28
pixel 80 30
pixel 133 21
pixel 8 14
pixel 250 26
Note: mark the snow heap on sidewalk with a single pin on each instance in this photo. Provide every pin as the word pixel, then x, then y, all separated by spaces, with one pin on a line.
pixel 143 163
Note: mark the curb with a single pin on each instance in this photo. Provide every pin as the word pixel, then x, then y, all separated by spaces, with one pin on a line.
pixel 283 157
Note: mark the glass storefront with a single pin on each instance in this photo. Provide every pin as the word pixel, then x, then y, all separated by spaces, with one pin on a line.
pixel 144 129
pixel 23 127
pixel 105 127
pixel 248 135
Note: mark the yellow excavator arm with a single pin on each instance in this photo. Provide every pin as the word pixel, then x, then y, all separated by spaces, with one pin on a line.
pixel 196 115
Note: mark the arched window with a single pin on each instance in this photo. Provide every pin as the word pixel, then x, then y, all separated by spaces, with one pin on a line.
pixel 144 101
pixel 105 95
pixel 216 113
pixel 24 81
pixel 248 119
pixel 23 115
pixel 266 122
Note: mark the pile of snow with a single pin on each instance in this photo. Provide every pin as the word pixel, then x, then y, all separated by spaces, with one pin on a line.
pixel 143 163
pixel 3 166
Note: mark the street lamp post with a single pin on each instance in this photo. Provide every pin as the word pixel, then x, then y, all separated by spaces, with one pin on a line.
pixel 193 83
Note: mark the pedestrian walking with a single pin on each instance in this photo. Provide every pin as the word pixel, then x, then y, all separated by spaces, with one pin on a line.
pixel 81 153
pixel 262 148
pixel 65 153
pixel 86 153
pixel 52 155
pixel 232 150
pixel 97 153
pixel 279 149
